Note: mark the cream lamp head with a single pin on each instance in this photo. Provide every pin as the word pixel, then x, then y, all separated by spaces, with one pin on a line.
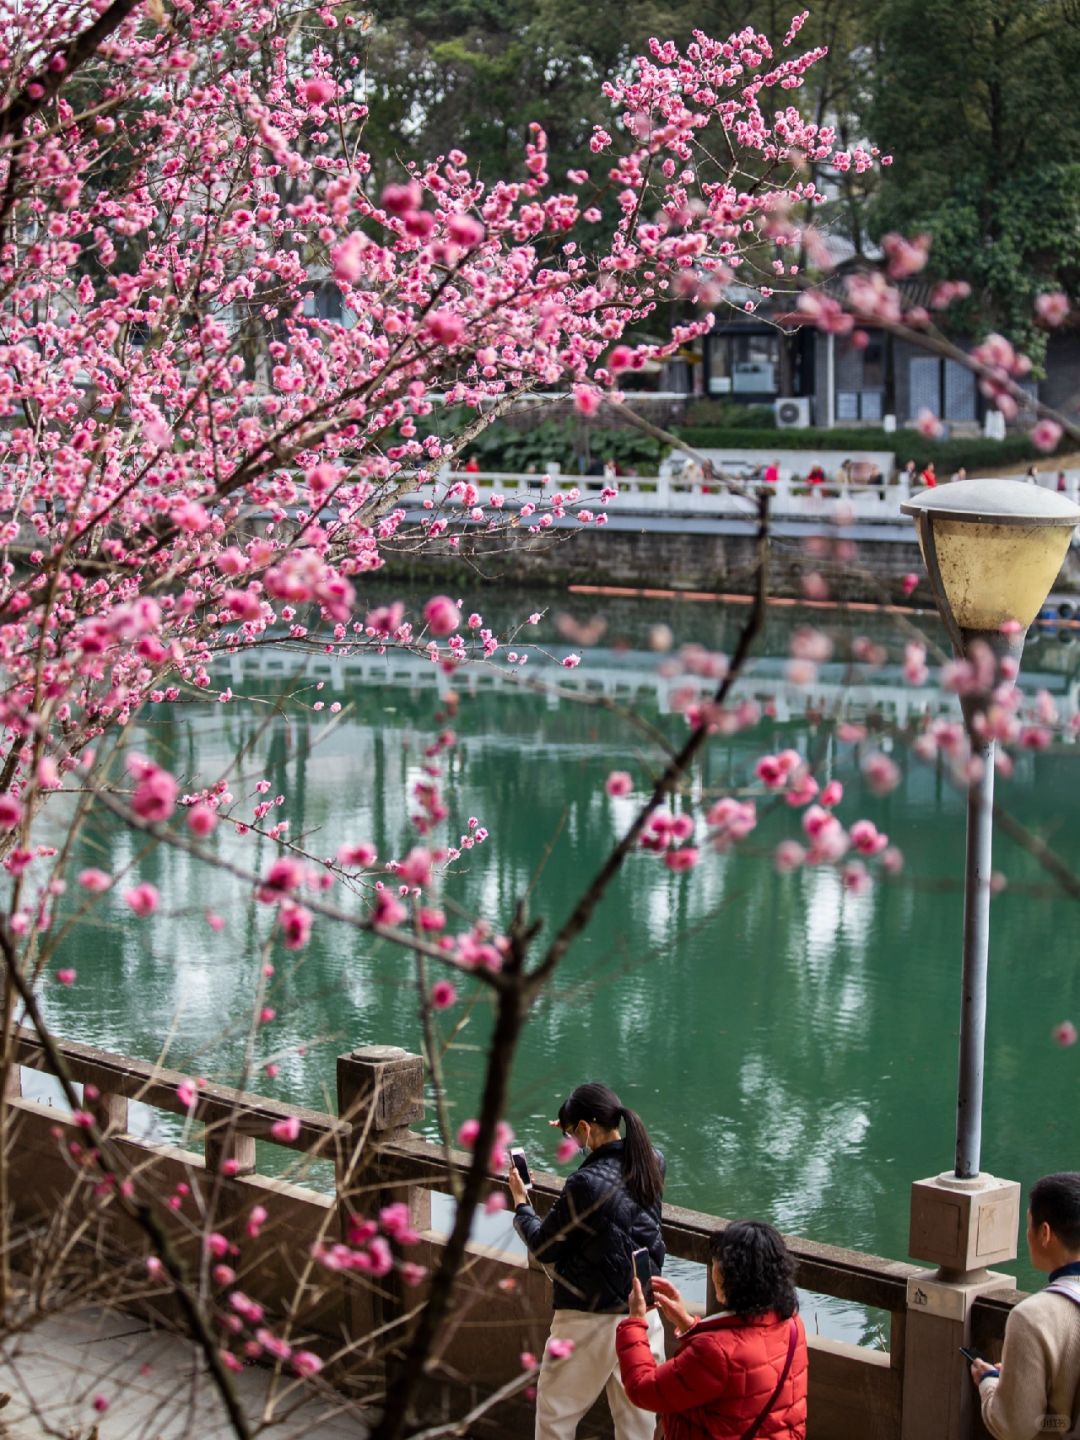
pixel 992 550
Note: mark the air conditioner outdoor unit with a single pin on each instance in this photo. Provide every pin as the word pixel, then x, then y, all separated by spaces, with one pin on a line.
pixel 792 412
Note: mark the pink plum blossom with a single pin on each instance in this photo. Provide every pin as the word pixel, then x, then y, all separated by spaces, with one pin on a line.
pixel 1065 1034
pixel 1046 436
pixel 201 820
pixel 143 899
pixel 788 855
pixel 1053 307
pixel 442 615
pixel 881 773
pixel 443 994
pixel 94 880
pixel 618 783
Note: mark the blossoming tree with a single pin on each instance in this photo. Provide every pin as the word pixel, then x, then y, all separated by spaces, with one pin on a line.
pixel 195 461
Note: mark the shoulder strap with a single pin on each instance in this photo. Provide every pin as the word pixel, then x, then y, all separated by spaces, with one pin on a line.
pixel 1068 1285
pixel 793 1335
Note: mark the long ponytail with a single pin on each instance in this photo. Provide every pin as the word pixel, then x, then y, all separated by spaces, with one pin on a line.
pixel 599 1105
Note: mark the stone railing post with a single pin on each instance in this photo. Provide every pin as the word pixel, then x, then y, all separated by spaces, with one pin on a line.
pixel 380 1093
pixel 964 1226
pixel 223 1144
pixel 110 1111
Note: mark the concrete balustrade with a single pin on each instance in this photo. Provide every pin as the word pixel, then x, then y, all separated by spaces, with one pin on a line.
pixel 675 494
pixel 503 1303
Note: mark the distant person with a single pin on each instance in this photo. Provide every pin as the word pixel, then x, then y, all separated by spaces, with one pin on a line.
pixel 609 1207
pixel 740 1372
pixel 596 467
pixel 928 475
pixel 1032 475
pixel 910 473
pixel 960 473
pixel 1036 1388
pixel 816 475
pixel 1062 483
pixel 472 465
pixel 611 471
pixel 772 473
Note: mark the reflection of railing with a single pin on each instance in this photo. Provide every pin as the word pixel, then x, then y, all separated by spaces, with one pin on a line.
pixel 793 497
pixel 376 1159
pixel 628 678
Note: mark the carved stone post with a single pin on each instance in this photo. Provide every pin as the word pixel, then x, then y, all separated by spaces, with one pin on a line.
pixel 380 1093
pixel 110 1111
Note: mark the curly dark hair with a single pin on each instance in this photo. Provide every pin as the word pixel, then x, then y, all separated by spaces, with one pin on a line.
pixel 759 1273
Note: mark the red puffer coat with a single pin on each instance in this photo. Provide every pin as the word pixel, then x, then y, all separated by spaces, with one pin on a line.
pixel 721 1377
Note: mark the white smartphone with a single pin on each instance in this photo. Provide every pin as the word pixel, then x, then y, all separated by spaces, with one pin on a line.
pixel 521 1165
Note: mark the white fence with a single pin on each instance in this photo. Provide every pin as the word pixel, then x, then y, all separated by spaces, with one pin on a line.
pixel 630 676
pixel 678 495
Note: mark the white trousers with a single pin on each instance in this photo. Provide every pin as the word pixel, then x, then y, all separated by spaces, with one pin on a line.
pixel 568 1388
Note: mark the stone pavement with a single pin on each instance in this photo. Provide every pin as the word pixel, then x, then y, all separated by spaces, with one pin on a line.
pixel 154 1391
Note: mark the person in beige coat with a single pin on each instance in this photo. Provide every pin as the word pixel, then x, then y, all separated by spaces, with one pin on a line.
pixel 1035 1391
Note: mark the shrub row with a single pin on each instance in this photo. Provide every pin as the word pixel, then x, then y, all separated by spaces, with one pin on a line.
pixel 947 455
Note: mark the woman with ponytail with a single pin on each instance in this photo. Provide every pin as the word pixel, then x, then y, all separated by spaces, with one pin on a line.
pixel 609 1208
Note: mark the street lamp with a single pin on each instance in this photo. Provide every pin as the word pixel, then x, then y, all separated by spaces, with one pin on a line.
pixel 992 549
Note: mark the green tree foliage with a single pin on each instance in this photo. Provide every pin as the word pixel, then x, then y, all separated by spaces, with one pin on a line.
pixel 980 105
pixel 472 74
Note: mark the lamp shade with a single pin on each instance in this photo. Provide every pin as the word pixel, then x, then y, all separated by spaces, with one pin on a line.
pixel 992 548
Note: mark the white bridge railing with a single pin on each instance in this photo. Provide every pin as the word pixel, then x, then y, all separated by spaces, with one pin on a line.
pixel 831 502
pixel 632 676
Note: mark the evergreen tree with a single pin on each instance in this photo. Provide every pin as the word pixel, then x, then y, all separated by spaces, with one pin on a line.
pixel 978 103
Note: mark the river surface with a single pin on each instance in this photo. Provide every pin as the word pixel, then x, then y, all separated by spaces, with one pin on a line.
pixel 791 1045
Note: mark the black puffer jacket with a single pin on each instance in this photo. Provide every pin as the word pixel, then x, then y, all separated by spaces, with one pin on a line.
pixel 590 1232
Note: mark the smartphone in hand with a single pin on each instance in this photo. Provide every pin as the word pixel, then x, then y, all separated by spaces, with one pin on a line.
pixel 973 1355
pixel 643 1271
pixel 521 1165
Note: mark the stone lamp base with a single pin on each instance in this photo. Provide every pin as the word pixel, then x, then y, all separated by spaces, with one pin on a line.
pixel 964 1225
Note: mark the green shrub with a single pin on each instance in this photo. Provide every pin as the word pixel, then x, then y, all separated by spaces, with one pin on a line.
pixel 726 415
pixel 947 455
pixel 502 447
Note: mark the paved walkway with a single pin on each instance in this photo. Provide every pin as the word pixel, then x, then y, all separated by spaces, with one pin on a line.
pixel 54 1372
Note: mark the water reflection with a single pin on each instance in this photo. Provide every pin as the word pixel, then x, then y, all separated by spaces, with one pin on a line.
pixel 791 1045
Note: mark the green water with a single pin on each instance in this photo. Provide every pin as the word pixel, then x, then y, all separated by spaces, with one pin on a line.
pixel 791 1046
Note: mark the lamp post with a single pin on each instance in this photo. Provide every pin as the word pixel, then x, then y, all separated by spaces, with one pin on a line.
pixel 992 550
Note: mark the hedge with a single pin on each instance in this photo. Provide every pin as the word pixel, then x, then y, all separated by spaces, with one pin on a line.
pixel 947 455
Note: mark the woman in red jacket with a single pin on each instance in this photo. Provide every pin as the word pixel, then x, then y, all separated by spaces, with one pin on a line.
pixel 736 1375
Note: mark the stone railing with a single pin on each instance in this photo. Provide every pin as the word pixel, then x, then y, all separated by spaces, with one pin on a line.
pixel 793 498
pixel 504 1300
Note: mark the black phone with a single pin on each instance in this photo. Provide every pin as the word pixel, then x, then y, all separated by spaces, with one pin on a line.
pixel 643 1271
pixel 521 1165
pixel 969 1354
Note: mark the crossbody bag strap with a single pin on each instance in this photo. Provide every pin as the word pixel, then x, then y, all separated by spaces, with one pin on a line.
pixel 1068 1285
pixel 793 1336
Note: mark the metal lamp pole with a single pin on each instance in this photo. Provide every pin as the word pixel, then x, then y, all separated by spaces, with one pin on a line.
pixel 969 1085
pixel 992 550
